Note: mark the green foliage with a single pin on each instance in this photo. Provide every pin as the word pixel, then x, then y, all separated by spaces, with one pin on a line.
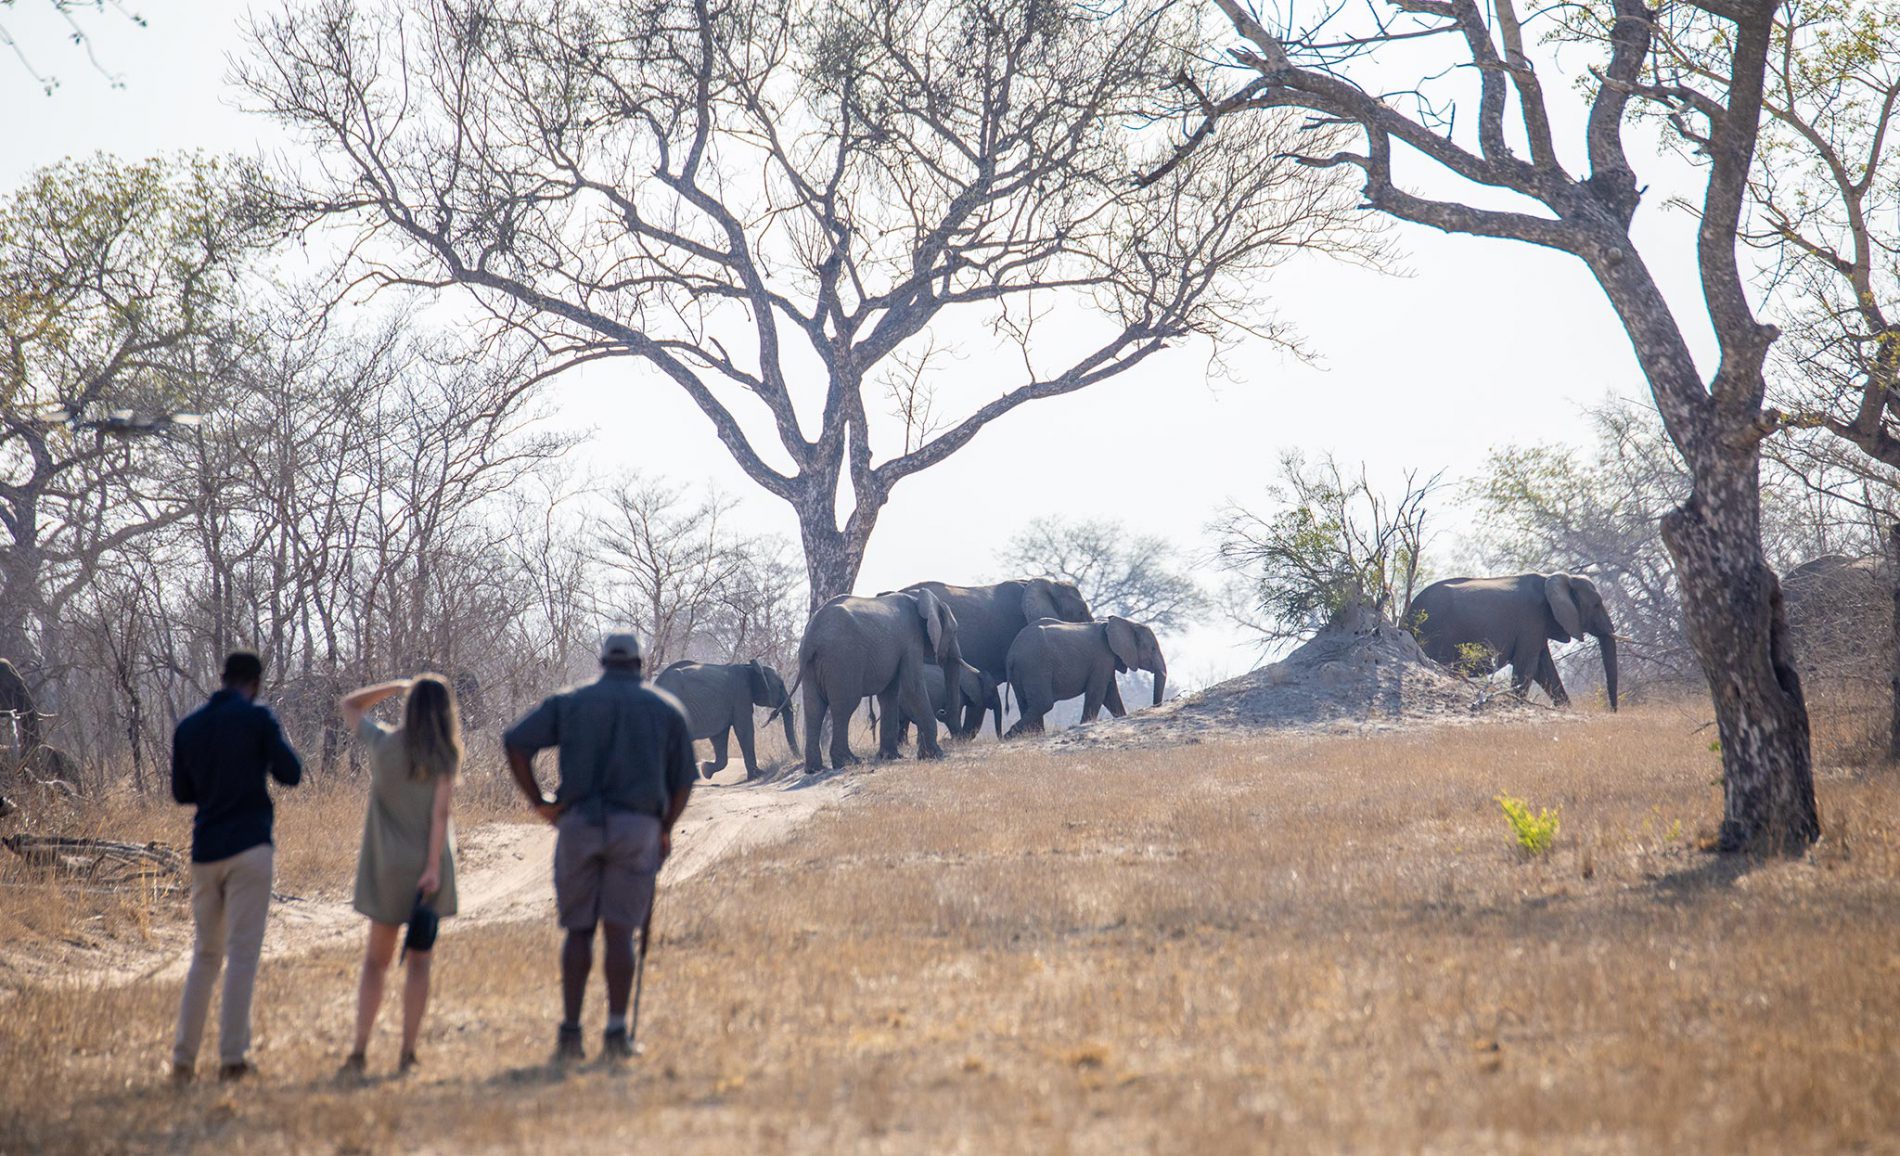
pixel 1334 542
pixel 1534 832
pixel 120 282
pixel 1474 657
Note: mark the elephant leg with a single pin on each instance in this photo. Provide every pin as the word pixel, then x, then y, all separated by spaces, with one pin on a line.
pixel 1547 678
pixel 708 770
pixel 814 730
pixel 890 724
pixel 841 756
pixel 914 699
pixel 748 744
pixel 1030 722
pixel 1112 699
pixel 1524 668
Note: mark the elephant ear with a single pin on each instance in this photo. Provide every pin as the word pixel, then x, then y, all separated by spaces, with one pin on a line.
pixel 1038 603
pixel 931 611
pixel 1563 605
pixel 1124 640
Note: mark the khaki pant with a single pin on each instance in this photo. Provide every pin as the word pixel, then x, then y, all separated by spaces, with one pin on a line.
pixel 229 900
pixel 604 869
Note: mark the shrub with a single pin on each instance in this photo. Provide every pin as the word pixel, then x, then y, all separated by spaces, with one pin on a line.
pixel 1534 833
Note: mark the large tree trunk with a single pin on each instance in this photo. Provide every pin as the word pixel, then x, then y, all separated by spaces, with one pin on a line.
pixel 832 556
pixel 1893 647
pixel 1733 611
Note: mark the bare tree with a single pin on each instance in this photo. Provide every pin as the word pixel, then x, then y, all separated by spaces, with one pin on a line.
pixel 1333 543
pixel 1138 576
pixel 77 17
pixel 669 562
pixel 1382 79
pixel 761 611
pixel 765 202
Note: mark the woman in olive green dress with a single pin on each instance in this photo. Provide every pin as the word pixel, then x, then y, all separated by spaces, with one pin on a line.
pixel 408 844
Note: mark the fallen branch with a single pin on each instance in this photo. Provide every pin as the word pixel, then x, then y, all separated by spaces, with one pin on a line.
pixel 99 860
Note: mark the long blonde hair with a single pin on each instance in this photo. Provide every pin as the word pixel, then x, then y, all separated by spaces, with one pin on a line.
pixel 431 728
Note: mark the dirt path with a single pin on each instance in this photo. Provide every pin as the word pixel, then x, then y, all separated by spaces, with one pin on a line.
pixel 505 876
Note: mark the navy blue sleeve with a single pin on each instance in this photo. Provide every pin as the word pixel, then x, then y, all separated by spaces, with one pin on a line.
pixel 682 766
pixel 184 791
pixel 285 766
pixel 537 730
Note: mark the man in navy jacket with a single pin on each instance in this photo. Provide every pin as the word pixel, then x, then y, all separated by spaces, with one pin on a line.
pixel 221 754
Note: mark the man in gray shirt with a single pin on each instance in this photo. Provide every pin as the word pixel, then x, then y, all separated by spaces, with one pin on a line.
pixel 627 768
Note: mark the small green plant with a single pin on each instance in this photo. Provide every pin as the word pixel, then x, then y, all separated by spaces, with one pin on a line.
pixel 1477 659
pixel 1534 832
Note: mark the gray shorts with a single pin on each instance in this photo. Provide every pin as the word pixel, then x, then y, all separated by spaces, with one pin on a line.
pixel 604 871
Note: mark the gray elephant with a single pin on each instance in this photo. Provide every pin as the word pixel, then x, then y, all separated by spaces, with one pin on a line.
pixel 990 617
pixel 1051 661
pixel 980 693
pixel 856 648
pixel 719 698
pixel 1483 624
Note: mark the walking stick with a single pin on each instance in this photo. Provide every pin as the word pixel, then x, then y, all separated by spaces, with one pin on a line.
pixel 640 973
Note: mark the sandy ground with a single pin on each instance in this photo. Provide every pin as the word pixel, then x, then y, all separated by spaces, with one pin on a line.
pixel 506 876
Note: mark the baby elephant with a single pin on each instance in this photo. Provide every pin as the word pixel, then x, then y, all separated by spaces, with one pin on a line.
pixel 1051 661
pixel 719 698
pixel 980 693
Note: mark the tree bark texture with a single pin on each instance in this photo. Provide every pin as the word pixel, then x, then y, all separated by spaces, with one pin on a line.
pixel 1893 654
pixel 1736 623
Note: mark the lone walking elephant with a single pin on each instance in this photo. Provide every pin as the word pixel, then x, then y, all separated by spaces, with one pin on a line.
pixel 1051 661
pixel 719 698
pixel 857 648
pixel 990 617
pixel 1483 624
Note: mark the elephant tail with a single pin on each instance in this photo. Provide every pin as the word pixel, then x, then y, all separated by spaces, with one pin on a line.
pixel 786 706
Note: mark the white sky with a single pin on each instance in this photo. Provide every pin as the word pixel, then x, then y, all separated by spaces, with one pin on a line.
pixel 1488 343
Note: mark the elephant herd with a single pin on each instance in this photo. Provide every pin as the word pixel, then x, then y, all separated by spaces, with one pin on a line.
pixel 1037 635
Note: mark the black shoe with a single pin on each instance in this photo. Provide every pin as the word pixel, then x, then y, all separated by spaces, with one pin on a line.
pixel 408 1064
pixel 182 1074
pixel 567 1045
pixel 355 1069
pixel 615 1044
pixel 232 1073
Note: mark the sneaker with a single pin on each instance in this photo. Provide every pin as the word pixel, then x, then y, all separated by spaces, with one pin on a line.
pixel 615 1045
pixel 355 1069
pixel 182 1074
pixel 567 1045
pixel 232 1073
pixel 407 1064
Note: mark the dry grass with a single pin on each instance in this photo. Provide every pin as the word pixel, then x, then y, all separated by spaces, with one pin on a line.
pixel 319 827
pixel 1284 944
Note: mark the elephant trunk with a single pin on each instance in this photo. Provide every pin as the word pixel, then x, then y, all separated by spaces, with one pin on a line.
pixel 1161 683
pixel 1607 642
pixel 950 658
pixel 791 733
